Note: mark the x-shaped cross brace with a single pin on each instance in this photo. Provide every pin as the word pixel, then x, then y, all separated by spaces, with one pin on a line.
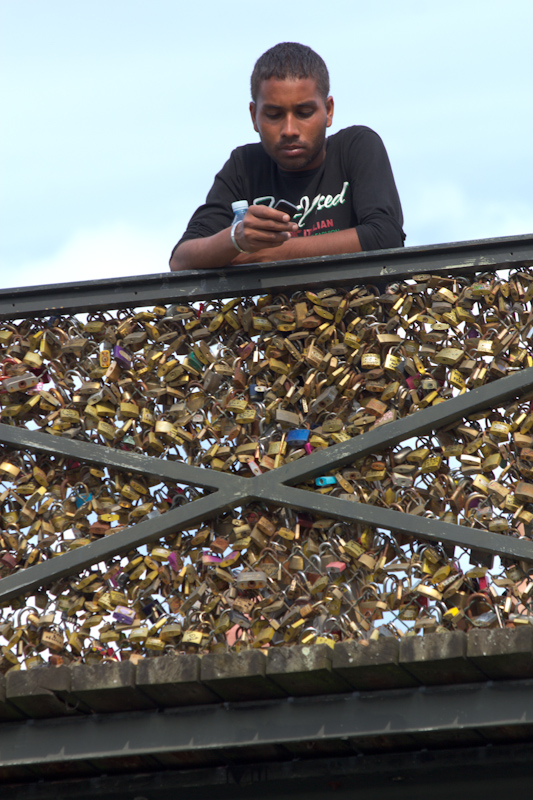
pixel 274 487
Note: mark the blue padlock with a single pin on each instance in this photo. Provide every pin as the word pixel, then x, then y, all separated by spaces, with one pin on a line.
pixel 298 436
pixel 326 480
pixel 82 498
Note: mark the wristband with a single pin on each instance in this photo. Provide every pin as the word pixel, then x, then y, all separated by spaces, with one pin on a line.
pixel 234 240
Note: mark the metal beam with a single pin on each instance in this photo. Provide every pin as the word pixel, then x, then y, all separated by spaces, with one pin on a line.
pixel 392 433
pixel 473 772
pixel 400 522
pixel 126 460
pixel 442 709
pixel 457 258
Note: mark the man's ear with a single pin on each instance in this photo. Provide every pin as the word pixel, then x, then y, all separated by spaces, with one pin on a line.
pixel 329 111
pixel 252 114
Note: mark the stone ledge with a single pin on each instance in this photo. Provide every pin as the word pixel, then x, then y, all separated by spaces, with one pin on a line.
pixel 108 687
pixel 8 712
pixel 502 653
pixel 305 670
pixel 439 658
pixel 371 667
pixel 174 681
pixel 42 693
pixel 239 676
pixel 299 670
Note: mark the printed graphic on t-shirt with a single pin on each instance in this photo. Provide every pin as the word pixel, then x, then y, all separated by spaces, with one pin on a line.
pixel 308 208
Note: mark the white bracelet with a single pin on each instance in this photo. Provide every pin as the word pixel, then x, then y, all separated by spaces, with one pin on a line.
pixel 234 240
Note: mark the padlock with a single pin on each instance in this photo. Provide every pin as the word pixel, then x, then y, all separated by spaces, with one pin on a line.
pixel 124 615
pixel 52 639
pixel 19 383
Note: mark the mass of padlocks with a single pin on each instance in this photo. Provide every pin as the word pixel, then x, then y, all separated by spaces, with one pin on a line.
pixel 243 387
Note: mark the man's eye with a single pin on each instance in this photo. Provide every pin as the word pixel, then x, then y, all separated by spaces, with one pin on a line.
pixel 306 112
pixel 273 115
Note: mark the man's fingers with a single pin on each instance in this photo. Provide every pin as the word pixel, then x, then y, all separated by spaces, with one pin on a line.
pixel 263 226
pixel 256 240
pixel 270 218
pixel 252 238
pixel 269 213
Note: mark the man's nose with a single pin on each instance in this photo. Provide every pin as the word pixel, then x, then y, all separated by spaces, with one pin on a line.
pixel 290 127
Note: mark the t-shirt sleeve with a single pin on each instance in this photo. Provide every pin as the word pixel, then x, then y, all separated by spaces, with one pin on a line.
pixel 375 198
pixel 216 213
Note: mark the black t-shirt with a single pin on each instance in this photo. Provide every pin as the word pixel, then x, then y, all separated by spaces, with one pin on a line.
pixel 353 187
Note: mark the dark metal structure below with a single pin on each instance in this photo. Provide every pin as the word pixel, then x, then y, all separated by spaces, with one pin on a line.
pixel 345 723
pixel 329 718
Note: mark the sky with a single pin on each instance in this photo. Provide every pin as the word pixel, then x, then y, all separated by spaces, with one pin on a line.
pixel 116 115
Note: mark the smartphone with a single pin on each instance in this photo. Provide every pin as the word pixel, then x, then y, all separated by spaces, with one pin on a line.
pixel 286 207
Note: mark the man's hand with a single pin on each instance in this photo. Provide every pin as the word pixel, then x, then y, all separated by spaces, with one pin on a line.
pixel 263 227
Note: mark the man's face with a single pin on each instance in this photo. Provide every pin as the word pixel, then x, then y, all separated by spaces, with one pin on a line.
pixel 291 118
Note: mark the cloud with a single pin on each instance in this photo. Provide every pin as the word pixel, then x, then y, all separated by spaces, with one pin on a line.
pixel 116 251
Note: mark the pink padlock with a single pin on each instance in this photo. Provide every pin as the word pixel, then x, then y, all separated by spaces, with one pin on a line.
pixel 336 567
pixel 173 561
pixel 208 559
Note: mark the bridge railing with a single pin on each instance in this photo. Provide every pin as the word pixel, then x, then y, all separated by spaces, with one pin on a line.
pixel 320 450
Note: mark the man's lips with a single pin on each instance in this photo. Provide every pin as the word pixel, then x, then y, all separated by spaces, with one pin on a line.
pixel 292 149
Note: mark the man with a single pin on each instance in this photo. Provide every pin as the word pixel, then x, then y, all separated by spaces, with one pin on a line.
pixel 342 185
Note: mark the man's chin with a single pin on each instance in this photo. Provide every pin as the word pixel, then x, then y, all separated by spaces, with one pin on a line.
pixel 293 164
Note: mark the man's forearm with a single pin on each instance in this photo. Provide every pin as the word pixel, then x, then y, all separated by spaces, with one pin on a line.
pixel 218 251
pixel 324 244
pixel 207 253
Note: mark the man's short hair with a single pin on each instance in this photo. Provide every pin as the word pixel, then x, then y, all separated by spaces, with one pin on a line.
pixel 290 60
